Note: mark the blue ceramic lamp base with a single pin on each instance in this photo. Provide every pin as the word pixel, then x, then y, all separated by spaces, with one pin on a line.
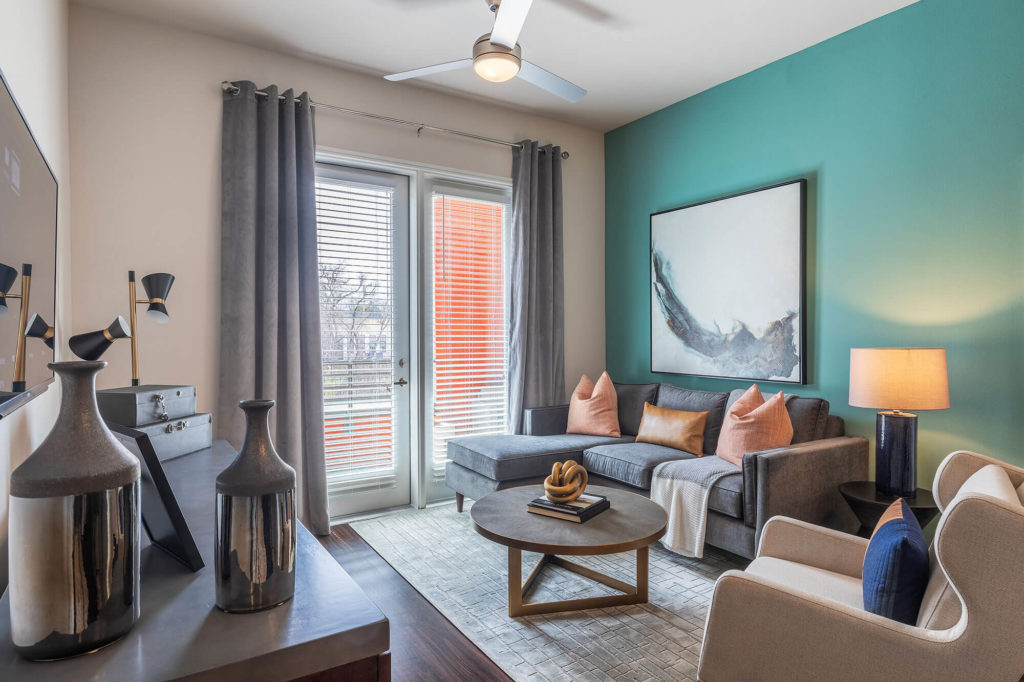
pixel 896 453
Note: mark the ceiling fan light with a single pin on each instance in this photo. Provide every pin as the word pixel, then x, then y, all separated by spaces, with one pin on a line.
pixel 496 67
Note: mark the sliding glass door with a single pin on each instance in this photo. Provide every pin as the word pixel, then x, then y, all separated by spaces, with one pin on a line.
pixel 413 347
pixel 363 230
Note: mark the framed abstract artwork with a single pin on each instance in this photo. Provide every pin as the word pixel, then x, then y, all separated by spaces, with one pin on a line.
pixel 727 286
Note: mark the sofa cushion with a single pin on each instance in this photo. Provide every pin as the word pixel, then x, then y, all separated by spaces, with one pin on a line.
pixel 834 427
pixel 896 566
pixel 727 496
pixel 505 457
pixel 677 398
pixel 631 405
pixel 816 581
pixel 631 463
pixel 634 463
pixel 753 424
pixel 673 428
pixel 809 416
pixel 593 408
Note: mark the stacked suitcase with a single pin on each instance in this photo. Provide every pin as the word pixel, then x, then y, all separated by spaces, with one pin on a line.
pixel 167 414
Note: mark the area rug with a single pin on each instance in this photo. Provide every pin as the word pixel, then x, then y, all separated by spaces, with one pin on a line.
pixel 464 575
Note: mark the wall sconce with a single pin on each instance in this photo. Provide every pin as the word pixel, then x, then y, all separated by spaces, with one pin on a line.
pixel 38 328
pixel 91 345
pixel 157 286
pixel 7 277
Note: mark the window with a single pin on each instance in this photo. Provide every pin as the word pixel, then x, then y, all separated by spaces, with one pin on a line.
pixel 469 367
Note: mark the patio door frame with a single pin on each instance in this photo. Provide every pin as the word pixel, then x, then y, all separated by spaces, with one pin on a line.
pixel 422 489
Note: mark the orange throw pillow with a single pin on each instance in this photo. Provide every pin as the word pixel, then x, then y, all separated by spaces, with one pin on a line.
pixel 754 424
pixel 594 410
pixel 673 429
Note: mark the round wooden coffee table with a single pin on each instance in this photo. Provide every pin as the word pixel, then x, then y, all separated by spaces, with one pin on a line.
pixel 632 523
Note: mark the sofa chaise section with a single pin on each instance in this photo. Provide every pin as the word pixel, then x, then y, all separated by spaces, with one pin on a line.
pixel 482 464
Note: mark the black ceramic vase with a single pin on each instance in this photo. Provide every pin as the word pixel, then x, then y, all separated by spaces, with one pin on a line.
pixel 256 527
pixel 74 530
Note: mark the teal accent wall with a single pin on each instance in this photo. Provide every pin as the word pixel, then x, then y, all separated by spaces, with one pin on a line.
pixel 910 130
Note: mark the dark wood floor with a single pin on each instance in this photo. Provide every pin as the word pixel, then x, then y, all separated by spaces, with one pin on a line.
pixel 424 644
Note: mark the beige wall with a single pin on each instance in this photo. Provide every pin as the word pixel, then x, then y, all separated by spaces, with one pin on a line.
pixel 33 58
pixel 145 130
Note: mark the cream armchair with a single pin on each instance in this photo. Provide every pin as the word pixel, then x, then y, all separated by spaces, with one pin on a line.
pixel 796 612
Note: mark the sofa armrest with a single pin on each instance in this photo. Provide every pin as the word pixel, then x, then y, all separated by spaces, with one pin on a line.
pixel 805 543
pixel 545 421
pixel 802 482
pixel 787 634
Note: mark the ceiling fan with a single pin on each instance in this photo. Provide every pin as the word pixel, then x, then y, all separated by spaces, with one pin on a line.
pixel 497 56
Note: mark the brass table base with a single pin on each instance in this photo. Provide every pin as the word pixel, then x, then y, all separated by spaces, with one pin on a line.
pixel 517 589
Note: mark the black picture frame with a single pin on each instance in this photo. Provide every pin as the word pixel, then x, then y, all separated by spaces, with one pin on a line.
pixel 161 515
pixel 803 365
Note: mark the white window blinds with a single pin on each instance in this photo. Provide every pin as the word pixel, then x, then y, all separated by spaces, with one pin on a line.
pixel 469 372
pixel 355 248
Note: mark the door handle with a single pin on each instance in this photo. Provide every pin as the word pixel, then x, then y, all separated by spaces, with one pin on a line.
pixel 401 382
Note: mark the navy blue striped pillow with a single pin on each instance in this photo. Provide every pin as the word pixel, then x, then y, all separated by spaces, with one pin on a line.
pixel 896 566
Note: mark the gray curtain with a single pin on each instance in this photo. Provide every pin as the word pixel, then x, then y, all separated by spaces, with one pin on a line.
pixel 536 337
pixel 270 314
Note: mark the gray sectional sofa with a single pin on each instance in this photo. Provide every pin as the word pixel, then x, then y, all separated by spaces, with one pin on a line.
pixel 800 481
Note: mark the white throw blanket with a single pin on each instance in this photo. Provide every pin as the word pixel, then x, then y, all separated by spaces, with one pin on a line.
pixel 682 488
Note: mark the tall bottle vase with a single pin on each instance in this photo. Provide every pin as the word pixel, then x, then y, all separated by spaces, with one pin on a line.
pixel 74 522
pixel 256 531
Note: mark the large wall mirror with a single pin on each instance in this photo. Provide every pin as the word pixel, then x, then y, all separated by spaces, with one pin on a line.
pixel 28 250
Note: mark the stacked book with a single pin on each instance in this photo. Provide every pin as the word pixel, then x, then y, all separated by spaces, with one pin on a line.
pixel 579 510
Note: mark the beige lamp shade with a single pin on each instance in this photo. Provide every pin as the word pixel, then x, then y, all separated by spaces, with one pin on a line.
pixel 899 378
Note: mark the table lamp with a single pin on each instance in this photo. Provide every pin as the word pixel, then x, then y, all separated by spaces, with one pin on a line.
pixel 894 380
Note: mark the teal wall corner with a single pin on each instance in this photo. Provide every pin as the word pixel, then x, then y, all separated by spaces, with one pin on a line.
pixel 910 130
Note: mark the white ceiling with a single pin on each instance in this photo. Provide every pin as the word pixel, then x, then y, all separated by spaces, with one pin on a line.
pixel 634 56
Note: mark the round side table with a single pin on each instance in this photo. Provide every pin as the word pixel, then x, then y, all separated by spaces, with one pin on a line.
pixel 869 505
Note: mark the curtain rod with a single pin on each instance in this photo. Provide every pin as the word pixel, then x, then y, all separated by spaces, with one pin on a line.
pixel 227 86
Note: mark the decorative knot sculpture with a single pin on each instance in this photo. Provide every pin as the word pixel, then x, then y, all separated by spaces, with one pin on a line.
pixel 566 482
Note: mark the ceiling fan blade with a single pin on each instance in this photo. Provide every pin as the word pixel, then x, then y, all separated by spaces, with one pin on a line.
pixel 509 22
pixel 542 78
pixel 430 70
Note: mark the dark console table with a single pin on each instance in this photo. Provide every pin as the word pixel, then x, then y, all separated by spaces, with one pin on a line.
pixel 329 630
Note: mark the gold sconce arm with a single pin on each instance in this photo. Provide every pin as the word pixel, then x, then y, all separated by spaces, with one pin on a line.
pixel 18 383
pixel 132 323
